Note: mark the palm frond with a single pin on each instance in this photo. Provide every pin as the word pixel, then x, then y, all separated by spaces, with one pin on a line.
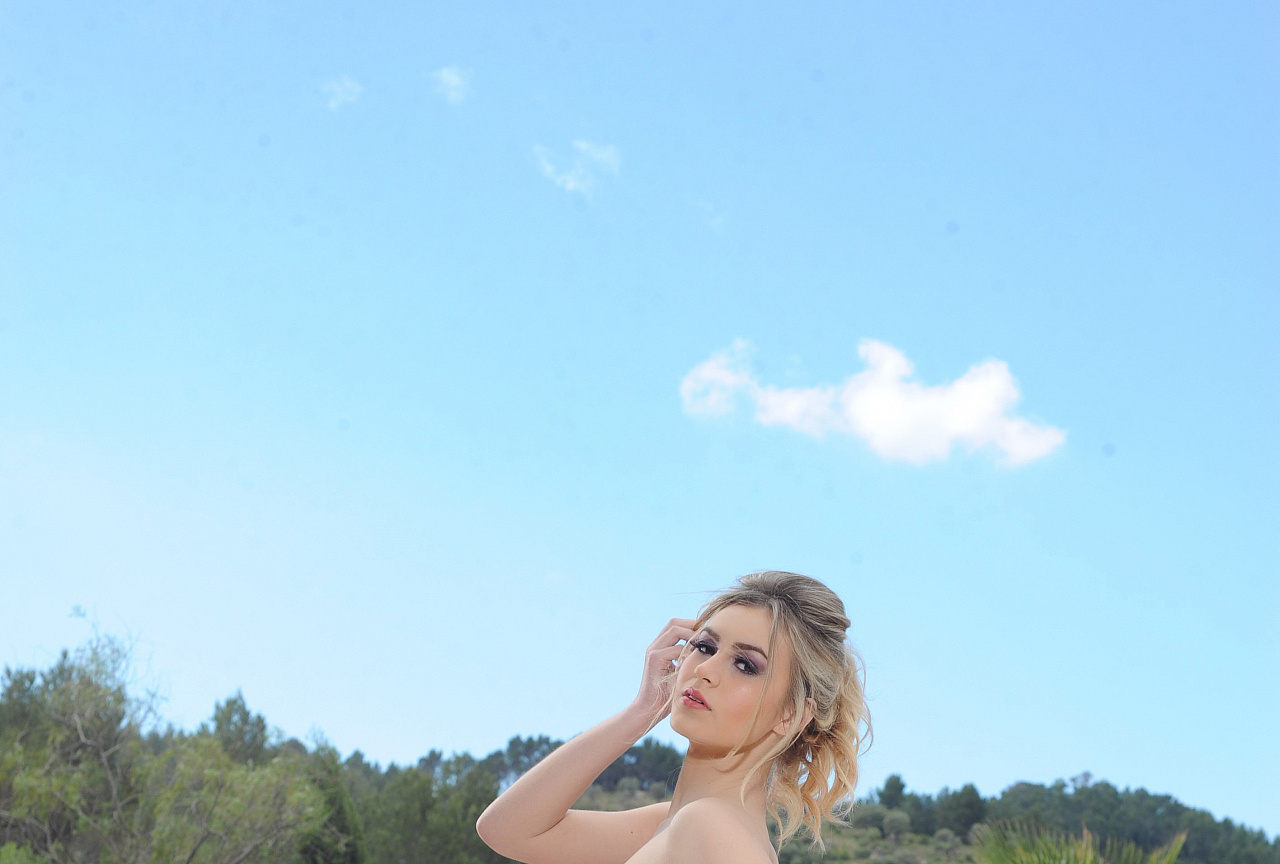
pixel 1027 843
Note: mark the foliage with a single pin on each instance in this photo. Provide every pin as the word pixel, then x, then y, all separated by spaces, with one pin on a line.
pixel 86 776
pixel 960 811
pixel 210 809
pixel 71 758
pixel 867 815
pixel 896 823
pixel 627 795
pixel 11 853
pixel 339 839
pixel 1138 816
pixel 1027 843
pixel 892 792
pixel 425 813
pixel 523 753
pixel 869 845
pixel 1149 821
pixel 242 734
pixel 649 762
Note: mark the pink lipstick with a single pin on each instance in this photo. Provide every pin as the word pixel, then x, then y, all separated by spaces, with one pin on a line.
pixel 691 698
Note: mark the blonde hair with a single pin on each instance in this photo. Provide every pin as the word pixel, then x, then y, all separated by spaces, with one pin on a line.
pixel 814 769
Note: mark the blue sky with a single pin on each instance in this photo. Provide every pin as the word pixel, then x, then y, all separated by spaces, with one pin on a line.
pixel 342 350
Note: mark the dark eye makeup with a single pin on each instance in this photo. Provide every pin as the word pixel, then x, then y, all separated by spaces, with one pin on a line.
pixel 742 663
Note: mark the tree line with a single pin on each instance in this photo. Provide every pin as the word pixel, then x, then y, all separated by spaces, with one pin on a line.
pixel 89 775
pixel 1147 820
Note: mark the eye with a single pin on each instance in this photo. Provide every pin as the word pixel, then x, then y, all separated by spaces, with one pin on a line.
pixel 742 663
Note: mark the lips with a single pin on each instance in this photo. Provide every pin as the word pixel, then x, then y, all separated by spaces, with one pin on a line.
pixel 691 698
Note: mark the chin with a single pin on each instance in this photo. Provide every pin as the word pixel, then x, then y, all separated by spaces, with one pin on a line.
pixel 677 723
pixel 689 728
pixel 702 737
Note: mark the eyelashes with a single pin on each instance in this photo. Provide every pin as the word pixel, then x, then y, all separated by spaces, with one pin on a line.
pixel 742 663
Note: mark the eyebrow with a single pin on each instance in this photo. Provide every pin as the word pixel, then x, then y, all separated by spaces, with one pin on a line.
pixel 747 646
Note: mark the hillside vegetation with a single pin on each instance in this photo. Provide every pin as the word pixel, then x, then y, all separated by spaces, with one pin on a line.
pixel 89 775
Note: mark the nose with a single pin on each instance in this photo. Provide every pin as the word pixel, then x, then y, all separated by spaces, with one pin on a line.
pixel 706 668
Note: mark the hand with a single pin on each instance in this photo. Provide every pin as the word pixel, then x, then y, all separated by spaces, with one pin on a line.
pixel 654 698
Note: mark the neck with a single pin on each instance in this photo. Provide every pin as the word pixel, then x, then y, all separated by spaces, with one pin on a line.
pixel 706 773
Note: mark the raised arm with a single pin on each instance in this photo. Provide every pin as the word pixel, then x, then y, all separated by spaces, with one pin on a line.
pixel 532 822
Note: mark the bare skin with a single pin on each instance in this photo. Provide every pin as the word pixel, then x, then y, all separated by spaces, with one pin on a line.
pixel 709 821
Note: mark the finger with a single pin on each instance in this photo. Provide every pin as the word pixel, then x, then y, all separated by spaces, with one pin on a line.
pixel 681 627
pixel 670 636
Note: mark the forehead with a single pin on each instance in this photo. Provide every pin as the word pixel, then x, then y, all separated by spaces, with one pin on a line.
pixel 742 624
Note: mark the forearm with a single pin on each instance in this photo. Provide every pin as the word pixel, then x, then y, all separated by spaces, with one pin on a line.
pixel 540 799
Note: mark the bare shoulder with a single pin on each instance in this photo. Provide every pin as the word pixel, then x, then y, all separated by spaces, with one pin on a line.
pixel 712 831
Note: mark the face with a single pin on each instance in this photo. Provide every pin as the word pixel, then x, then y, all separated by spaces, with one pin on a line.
pixel 720 678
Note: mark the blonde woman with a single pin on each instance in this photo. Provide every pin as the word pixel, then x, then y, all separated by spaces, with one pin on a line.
pixel 768 693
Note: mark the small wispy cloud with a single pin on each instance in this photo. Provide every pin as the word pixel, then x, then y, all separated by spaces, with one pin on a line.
pixel 605 155
pixel 580 176
pixel 453 84
pixel 341 91
pixel 898 418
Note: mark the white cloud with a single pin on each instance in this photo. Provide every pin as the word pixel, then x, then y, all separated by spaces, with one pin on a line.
pixel 605 155
pixel 581 175
pixel 341 91
pixel 453 84
pixel 898 418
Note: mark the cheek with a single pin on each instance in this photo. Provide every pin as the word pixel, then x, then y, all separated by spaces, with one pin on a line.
pixel 742 697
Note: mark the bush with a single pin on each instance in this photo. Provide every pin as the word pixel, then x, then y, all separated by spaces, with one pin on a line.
pixel 11 853
pixel 802 853
pixel 896 823
pixel 868 816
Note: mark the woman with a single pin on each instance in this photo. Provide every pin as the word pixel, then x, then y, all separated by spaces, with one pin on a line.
pixel 767 691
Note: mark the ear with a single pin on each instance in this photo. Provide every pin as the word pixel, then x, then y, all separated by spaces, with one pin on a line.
pixel 784 725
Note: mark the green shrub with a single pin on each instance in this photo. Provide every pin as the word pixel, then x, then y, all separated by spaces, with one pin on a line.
pixel 11 853
pixel 868 816
pixel 896 823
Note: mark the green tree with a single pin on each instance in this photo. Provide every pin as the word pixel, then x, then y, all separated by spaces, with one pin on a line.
pixel 893 791
pixel 467 787
pixel 211 810
pixel 340 838
pixel 923 810
pixel 243 735
pixel 960 810
pixel 395 815
pixel 81 784
pixel 523 753
pixel 71 755
pixel 649 762
pixel 1139 816
pixel 426 814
